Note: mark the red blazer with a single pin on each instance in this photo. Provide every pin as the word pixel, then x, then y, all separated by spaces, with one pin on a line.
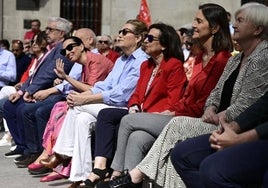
pixel 166 88
pixel 200 85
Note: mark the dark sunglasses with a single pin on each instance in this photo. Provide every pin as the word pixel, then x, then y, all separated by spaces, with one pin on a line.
pixel 69 48
pixel 151 38
pixel 125 31
pixel 103 41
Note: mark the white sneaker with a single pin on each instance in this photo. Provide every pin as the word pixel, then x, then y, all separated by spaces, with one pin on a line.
pixel 13 148
pixel 6 140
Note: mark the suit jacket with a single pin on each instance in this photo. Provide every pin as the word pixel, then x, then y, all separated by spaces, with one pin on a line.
pixel 166 88
pixel 44 75
pixel 200 85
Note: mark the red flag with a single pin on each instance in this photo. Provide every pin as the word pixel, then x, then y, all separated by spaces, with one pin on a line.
pixel 144 14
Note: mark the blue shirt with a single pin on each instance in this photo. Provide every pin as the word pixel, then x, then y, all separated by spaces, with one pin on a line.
pixel 65 87
pixel 119 85
pixel 8 71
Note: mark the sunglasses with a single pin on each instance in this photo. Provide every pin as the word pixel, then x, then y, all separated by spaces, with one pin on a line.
pixel 69 48
pixel 103 41
pixel 125 31
pixel 151 38
pixel 49 29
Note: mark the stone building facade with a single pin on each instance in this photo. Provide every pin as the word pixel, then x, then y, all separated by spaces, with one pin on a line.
pixel 113 16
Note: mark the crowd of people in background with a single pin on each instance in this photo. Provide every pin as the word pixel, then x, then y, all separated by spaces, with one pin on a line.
pixel 173 107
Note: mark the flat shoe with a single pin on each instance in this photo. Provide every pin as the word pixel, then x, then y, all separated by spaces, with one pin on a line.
pixel 51 178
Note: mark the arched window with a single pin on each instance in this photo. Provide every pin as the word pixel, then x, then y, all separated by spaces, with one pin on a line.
pixel 83 13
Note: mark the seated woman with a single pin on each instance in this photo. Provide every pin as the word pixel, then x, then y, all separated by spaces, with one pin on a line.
pixel 94 67
pixel 161 83
pixel 243 81
pixel 75 141
pixel 208 68
pixel 235 155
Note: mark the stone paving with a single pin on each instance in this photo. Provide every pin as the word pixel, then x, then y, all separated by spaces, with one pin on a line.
pixel 13 177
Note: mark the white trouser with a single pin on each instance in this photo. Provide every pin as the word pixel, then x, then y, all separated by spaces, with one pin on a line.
pixel 74 138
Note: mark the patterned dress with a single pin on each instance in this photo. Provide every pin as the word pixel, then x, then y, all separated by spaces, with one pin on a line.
pixel 250 84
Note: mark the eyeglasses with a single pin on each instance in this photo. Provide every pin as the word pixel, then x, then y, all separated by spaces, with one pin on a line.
pixel 125 31
pixel 69 48
pixel 49 29
pixel 151 38
pixel 103 41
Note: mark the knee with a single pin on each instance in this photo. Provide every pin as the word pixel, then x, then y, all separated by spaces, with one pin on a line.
pixel 129 120
pixel 124 121
pixel 104 114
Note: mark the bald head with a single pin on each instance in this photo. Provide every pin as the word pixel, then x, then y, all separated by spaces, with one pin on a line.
pixel 87 36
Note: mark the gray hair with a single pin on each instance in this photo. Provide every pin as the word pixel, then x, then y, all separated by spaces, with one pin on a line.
pixel 257 14
pixel 62 24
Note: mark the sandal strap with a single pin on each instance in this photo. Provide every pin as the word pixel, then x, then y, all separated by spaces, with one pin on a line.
pixel 88 184
pixel 101 173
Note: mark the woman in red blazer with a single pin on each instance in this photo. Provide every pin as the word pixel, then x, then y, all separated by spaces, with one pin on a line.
pixel 138 131
pixel 161 83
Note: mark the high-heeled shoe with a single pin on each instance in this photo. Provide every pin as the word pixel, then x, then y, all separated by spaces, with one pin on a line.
pixel 120 182
pixel 55 160
pixel 103 174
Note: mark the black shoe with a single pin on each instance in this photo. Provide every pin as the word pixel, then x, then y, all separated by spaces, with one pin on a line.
pixel 28 160
pixel 2 128
pixel 123 181
pixel 15 153
pixel 20 158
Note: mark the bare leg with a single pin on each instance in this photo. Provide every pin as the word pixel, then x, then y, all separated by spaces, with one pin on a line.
pixel 136 175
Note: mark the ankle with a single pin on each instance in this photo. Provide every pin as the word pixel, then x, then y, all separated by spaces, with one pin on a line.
pixel 116 174
pixel 136 175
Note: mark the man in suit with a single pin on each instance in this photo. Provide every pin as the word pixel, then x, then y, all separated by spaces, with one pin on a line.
pixel 26 129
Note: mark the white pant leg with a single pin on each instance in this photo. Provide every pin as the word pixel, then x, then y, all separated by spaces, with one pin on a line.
pixel 85 120
pixel 82 155
pixel 6 91
pixel 5 125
